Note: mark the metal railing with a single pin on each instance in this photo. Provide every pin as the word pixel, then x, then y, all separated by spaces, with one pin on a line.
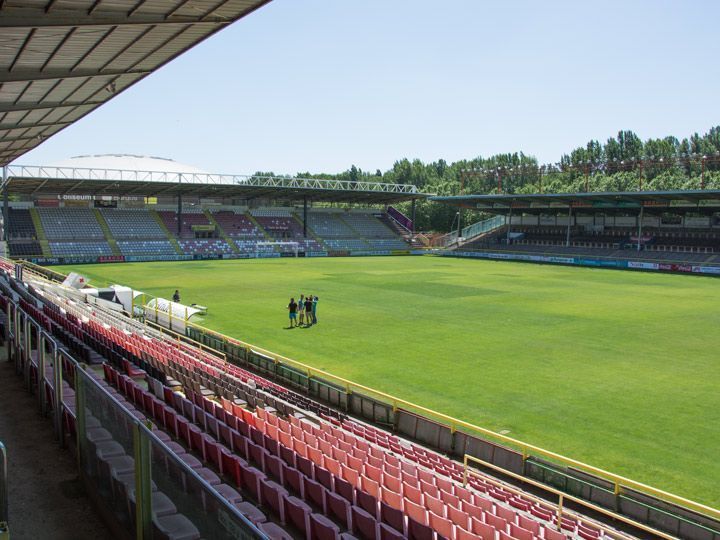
pixel 481 227
pixel 471 231
pixel 4 518
pixel 119 175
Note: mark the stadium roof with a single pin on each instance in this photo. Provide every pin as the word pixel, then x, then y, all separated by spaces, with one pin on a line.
pixel 61 59
pixel 42 182
pixel 685 200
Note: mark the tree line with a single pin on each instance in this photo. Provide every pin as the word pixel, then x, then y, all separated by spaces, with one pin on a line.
pixel 622 163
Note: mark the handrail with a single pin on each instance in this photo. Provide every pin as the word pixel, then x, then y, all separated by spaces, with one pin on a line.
pixel 561 494
pixel 619 482
pixel 3 490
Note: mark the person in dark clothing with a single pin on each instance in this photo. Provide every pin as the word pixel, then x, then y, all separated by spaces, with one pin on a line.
pixel 176 296
pixel 292 309
pixel 308 309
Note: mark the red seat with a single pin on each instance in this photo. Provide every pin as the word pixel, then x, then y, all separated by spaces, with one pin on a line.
pixel 418 531
pixel 321 528
pixel 273 495
pixel 338 507
pixel 297 513
pixel 363 524
pixel 252 512
pixel 314 492
pixel 273 532
pixel 393 517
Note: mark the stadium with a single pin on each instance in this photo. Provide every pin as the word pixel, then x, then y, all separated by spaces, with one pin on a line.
pixel 543 368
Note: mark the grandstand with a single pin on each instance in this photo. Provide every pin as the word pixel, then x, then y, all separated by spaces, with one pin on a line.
pixel 196 215
pixel 648 230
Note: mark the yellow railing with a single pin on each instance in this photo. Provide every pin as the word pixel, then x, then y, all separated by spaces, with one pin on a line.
pixel 562 497
pixel 619 482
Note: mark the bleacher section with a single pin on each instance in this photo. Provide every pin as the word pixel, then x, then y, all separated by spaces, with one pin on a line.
pixel 132 224
pixel 70 224
pixel 190 217
pixel 205 246
pixel 292 467
pixel 80 249
pixel 280 224
pixel 146 247
pixel 353 231
pixel 657 244
pixel 22 236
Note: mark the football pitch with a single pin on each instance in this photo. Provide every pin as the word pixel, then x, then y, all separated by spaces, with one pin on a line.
pixel 617 369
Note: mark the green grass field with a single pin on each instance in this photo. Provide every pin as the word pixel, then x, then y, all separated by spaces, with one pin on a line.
pixel 617 369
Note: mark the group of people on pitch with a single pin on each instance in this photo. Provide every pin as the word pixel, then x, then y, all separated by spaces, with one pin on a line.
pixel 306 308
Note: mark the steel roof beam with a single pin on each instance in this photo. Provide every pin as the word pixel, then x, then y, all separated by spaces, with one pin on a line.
pixel 51 74
pixel 24 106
pixel 37 18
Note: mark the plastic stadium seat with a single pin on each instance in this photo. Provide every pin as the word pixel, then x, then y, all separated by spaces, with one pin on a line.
pixel 388 533
pixel 416 512
pixel 250 480
pixel 435 505
pixel 314 492
pixel 418 531
pixel 443 526
pixel 338 508
pixel 529 524
pixel 273 532
pixel 252 512
pixel 484 530
pixel 273 496
pixel 297 513
pixel 496 522
pixel 364 524
pixel 552 534
pixel 393 517
pixel 458 517
pixel 229 493
pixel 174 527
pixel 321 528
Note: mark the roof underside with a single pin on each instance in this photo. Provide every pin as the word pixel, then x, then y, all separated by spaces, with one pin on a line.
pixel 662 201
pixel 60 59
pixel 278 189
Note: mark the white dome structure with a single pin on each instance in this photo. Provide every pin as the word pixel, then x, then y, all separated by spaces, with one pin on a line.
pixel 127 162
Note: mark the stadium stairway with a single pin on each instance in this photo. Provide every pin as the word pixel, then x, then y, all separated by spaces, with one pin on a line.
pixel 310 232
pixel 221 231
pixel 40 232
pixel 106 231
pixel 170 236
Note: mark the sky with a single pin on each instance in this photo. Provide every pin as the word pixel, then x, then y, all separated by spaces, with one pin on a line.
pixel 320 85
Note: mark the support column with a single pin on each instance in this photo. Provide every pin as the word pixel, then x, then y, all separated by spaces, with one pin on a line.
pixel 567 239
pixel 509 223
pixel 459 230
pixel 640 218
pixel 304 217
pixel 412 216
pixel 5 210
pixel 179 216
